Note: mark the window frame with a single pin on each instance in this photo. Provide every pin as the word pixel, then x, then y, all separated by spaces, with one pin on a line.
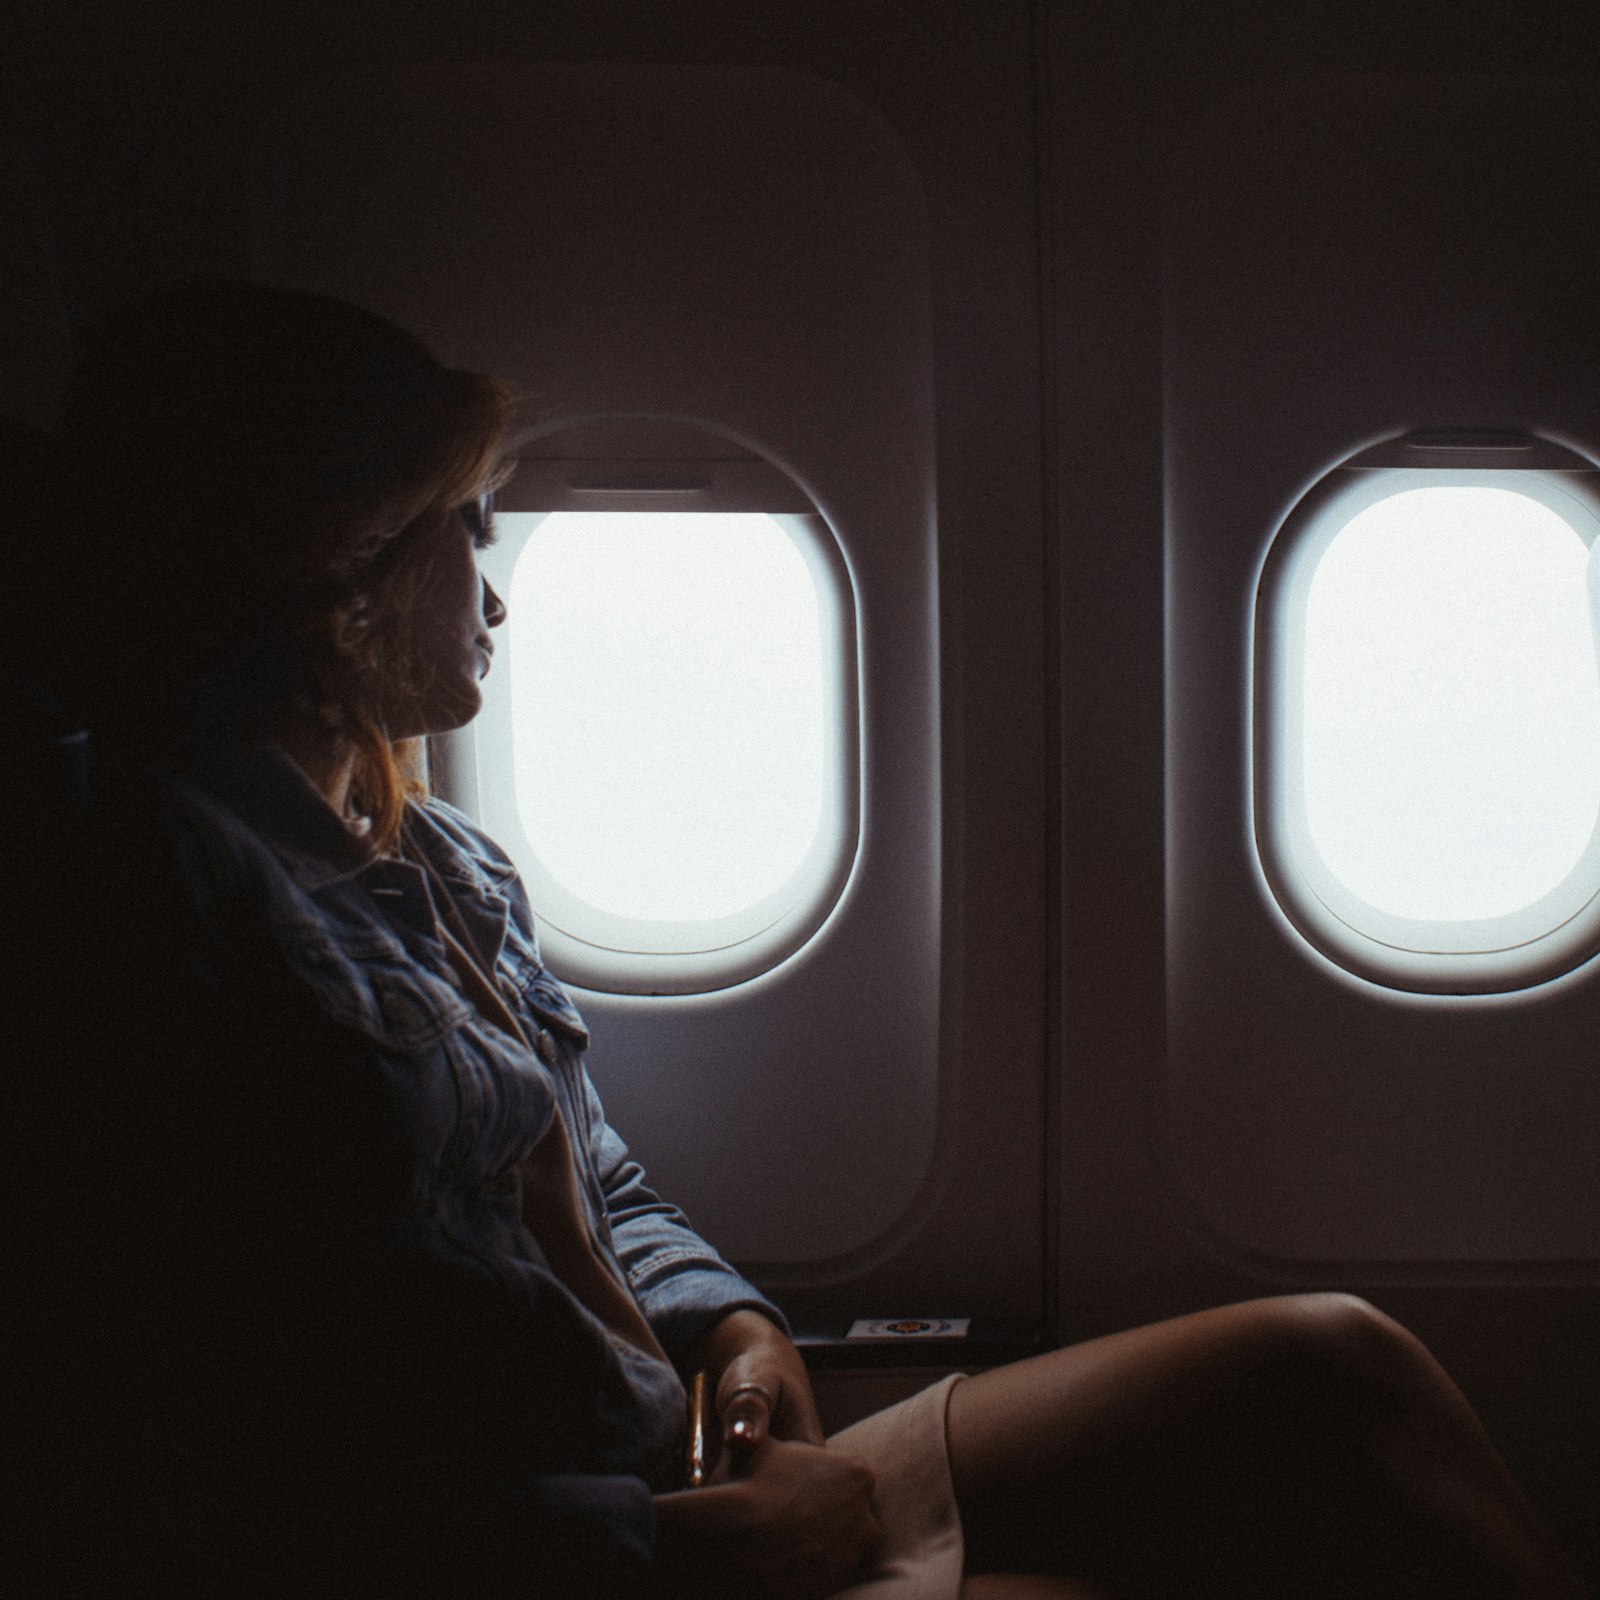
pixel 1461 958
pixel 600 950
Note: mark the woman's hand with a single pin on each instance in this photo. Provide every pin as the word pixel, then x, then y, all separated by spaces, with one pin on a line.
pixel 783 1518
pixel 796 1524
pixel 760 1384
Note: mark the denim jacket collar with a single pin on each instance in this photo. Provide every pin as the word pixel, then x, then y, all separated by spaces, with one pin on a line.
pixel 273 794
pixel 269 790
pixel 477 891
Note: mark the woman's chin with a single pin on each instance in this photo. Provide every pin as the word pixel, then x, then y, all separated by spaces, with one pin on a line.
pixel 442 713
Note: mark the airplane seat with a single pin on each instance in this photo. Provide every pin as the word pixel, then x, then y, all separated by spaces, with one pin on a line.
pixel 70 1468
pixel 91 1459
pixel 62 1390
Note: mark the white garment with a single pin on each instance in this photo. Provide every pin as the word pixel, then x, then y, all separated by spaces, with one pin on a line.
pixel 907 1448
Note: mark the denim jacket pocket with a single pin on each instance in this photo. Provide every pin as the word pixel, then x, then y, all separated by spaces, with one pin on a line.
pixel 371 985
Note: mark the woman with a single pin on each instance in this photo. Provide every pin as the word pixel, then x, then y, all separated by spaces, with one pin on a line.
pixel 406 1318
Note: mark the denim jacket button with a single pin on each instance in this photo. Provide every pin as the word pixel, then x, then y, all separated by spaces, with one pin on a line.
pixel 545 1044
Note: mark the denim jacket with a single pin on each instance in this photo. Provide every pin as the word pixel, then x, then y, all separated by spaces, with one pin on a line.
pixel 410 1279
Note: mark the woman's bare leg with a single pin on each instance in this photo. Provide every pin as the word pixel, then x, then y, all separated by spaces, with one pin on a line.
pixel 1028 1586
pixel 1305 1445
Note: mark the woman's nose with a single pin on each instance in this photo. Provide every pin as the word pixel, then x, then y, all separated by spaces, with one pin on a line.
pixel 494 608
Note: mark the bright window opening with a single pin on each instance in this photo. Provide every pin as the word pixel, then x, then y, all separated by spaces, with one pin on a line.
pixel 1452 706
pixel 668 746
pixel 1428 725
pixel 674 664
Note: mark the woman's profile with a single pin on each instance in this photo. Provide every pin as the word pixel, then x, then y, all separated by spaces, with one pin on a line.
pixel 376 1302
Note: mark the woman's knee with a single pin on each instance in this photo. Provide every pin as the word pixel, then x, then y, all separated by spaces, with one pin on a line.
pixel 1344 1326
pixel 1340 1348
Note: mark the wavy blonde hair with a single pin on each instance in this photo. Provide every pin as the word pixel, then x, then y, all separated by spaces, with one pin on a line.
pixel 259 472
pixel 366 648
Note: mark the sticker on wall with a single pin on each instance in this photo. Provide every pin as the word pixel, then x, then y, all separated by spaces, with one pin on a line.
pixel 909 1328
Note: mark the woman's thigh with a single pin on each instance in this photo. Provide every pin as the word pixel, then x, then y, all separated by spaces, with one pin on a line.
pixel 1303 1444
pixel 1029 1586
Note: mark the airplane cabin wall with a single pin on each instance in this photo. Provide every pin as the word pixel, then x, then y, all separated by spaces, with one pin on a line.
pixel 145 128
pixel 1103 384
pixel 1228 325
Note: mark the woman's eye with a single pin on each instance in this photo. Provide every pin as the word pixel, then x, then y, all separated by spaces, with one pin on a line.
pixel 479 518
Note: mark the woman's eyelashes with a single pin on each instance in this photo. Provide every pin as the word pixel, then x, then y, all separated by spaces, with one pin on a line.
pixel 479 518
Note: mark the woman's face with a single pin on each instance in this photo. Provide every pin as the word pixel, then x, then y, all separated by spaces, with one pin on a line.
pixel 455 609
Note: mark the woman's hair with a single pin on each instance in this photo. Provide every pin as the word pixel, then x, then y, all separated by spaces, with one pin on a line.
pixel 251 474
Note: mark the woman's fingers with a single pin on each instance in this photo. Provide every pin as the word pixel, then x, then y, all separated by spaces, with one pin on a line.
pixel 827 1501
pixel 746 1347
pixel 798 1525
pixel 746 1407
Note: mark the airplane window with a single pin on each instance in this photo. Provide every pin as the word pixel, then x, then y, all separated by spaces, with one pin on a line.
pixel 687 675
pixel 675 661
pixel 1452 707
pixel 1428 730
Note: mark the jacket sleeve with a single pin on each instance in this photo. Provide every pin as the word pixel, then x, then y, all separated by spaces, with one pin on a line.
pixel 681 1283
